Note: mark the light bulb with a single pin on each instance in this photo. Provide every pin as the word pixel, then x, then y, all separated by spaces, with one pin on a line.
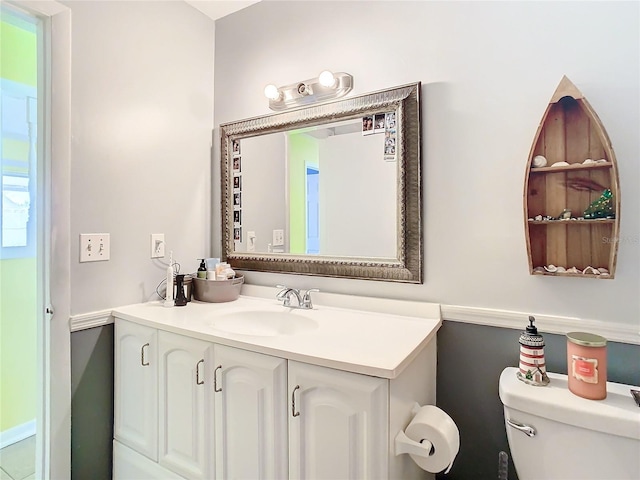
pixel 327 79
pixel 271 92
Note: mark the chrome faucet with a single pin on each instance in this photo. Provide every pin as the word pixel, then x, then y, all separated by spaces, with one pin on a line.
pixel 304 301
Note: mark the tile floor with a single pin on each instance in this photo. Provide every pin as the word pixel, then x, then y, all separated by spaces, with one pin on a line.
pixel 18 461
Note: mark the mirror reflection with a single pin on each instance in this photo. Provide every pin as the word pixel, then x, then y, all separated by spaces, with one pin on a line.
pixel 332 189
pixel 329 189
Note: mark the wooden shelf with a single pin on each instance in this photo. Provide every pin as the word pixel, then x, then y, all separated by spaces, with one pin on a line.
pixel 568 168
pixel 571 221
pixel 574 275
pixel 570 131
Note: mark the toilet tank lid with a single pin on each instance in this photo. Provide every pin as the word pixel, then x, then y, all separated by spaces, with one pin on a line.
pixel 618 414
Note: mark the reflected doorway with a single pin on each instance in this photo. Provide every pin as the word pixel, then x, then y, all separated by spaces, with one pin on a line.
pixel 313 210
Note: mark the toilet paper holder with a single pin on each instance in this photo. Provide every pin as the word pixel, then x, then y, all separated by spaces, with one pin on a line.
pixel 404 444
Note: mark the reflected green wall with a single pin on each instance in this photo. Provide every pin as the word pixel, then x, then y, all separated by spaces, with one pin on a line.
pixel 302 150
pixel 18 287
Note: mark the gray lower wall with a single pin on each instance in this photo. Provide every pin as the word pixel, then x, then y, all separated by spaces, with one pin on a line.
pixel 470 360
pixel 91 403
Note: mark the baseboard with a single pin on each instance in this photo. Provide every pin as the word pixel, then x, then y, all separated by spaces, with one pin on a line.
pixel 613 332
pixel 17 433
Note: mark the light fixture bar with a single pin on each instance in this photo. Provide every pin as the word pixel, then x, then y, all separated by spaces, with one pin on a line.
pixel 310 91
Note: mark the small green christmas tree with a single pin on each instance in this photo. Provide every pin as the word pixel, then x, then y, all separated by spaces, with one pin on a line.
pixel 602 207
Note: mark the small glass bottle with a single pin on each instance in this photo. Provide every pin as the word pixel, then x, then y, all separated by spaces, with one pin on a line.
pixel 202 269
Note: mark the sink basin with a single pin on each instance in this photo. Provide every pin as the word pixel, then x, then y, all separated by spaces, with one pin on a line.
pixel 264 323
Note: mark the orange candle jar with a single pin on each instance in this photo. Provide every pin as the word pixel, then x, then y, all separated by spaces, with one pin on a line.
pixel 587 365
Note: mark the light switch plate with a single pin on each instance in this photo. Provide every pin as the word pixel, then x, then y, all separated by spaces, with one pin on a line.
pixel 94 247
pixel 278 238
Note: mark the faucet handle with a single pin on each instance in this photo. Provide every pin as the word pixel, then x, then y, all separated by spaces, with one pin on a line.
pixel 306 299
pixel 283 294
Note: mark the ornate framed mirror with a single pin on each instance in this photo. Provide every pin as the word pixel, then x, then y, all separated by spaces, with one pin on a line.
pixel 331 190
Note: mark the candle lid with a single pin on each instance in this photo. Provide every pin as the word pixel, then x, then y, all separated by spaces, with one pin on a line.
pixel 586 339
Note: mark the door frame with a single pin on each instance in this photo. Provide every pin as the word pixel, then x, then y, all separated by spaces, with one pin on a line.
pixel 53 439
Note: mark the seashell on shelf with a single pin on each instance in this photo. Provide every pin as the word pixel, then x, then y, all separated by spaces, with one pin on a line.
pixel 538 218
pixel 601 160
pixel 573 270
pixel 603 270
pixel 539 161
pixel 591 270
pixel 588 161
pixel 551 268
pixel 560 270
pixel 560 164
pixel 538 270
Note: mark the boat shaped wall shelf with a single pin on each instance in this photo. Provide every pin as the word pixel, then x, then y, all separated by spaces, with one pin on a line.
pixel 571 191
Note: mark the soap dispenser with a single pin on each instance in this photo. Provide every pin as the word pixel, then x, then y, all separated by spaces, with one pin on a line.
pixel 532 367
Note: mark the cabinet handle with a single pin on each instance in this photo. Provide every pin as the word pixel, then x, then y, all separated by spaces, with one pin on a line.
pixel 198 382
pixel 142 361
pixel 215 379
pixel 293 402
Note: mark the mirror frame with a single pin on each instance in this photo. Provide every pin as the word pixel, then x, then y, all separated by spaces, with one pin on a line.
pixel 407 266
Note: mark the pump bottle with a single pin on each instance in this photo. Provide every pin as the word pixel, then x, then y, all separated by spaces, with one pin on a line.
pixel 532 366
pixel 202 269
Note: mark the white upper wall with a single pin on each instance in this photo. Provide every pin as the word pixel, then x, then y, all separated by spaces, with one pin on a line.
pixel 142 116
pixel 488 71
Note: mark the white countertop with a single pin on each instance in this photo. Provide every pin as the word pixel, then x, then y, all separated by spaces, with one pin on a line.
pixel 371 343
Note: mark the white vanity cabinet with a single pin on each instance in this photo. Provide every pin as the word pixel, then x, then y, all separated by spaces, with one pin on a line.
pixel 338 426
pixel 184 404
pixel 250 414
pixel 196 403
pixel 136 387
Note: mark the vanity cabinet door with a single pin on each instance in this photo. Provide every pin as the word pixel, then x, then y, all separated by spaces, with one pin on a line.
pixel 136 387
pixel 251 415
pixel 185 444
pixel 338 424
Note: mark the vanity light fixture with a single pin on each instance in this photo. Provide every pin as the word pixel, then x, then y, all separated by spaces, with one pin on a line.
pixel 326 86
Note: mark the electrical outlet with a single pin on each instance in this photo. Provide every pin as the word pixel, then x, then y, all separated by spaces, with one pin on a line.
pixel 278 238
pixel 94 247
pixel 251 241
pixel 157 245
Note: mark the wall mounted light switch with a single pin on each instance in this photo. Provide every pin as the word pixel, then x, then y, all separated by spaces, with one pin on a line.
pixel 95 247
pixel 278 238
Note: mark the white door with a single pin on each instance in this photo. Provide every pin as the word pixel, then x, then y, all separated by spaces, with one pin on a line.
pixel 338 424
pixel 251 415
pixel 136 387
pixel 185 445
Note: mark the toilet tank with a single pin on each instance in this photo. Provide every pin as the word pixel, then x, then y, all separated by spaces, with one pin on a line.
pixel 574 438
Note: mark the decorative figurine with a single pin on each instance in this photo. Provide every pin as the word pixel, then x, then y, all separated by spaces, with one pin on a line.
pixel 602 207
pixel 566 214
pixel 532 366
